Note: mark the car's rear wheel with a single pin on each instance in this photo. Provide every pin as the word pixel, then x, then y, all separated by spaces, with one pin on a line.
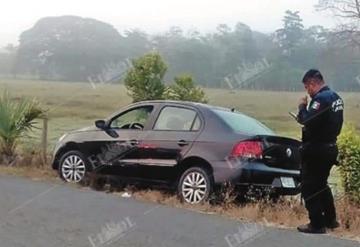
pixel 73 167
pixel 195 185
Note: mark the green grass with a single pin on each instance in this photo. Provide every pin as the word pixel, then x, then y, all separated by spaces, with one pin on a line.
pixel 74 105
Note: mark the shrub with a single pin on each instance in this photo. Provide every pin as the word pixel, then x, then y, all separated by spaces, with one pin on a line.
pixel 349 159
pixel 16 118
pixel 144 81
pixel 185 89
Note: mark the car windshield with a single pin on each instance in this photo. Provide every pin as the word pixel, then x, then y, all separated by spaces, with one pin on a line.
pixel 242 123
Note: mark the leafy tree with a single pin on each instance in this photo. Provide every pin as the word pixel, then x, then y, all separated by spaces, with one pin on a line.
pixel 209 58
pixel 135 43
pixel 8 60
pixel 233 48
pixel 290 36
pixel 223 29
pixel 68 48
pixel 186 54
pixel 348 11
pixel 144 81
pixel 17 118
pixel 185 89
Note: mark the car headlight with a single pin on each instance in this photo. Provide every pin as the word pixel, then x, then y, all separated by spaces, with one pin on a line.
pixel 62 137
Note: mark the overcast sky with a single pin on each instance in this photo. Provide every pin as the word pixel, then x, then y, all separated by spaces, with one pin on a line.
pixel 156 16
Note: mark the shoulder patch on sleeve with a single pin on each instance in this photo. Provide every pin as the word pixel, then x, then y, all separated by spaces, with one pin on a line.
pixel 337 105
pixel 315 105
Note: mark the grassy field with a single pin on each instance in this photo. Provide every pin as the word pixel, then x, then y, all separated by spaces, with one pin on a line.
pixel 74 105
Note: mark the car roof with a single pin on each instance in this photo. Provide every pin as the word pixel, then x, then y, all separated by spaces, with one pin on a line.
pixel 185 103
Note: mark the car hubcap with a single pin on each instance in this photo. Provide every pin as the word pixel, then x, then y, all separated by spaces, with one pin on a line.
pixel 194 187
pixel 73 169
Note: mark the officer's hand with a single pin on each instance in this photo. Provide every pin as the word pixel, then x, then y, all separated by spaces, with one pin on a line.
pixel 303 101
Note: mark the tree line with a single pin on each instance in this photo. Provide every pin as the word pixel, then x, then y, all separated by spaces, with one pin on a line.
pixel 72 48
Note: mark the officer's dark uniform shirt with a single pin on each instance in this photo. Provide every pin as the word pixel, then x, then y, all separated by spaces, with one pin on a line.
pixel 322 118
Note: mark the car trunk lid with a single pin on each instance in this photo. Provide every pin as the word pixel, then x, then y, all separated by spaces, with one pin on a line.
pixel 280 152
pixel 274 151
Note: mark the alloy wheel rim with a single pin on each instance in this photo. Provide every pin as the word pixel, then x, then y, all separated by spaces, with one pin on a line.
pixel 194 187
pixel 73 169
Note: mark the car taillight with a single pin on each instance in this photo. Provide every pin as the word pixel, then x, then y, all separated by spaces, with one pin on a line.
pixel 248 149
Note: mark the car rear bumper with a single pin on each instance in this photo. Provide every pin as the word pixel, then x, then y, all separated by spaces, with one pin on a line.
pixel 259 175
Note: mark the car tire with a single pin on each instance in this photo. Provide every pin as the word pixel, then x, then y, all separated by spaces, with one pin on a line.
pixel 195 185
pixel 73 167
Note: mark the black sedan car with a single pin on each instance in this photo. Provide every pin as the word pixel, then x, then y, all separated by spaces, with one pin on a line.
pixel 189 145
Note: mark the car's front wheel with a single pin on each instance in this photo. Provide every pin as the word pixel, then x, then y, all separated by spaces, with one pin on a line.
pixel 73 167
pixel 194 185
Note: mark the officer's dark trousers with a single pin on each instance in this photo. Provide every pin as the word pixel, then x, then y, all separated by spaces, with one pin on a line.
pixel 317 160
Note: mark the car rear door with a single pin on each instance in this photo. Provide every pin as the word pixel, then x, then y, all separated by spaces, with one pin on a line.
pixel 173 133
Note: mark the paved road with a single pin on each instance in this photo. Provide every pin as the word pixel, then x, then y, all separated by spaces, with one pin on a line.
pixel 37 214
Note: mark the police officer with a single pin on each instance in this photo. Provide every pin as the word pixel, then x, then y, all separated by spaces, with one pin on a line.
pixel 322 121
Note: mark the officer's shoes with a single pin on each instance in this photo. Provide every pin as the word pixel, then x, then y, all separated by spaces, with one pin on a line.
pixel 311 229
pixel 332 225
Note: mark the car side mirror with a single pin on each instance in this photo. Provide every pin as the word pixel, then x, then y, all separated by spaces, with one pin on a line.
pixel 100 124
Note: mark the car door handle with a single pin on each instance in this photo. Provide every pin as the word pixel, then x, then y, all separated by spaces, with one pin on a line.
pixel 182 143
pixel 134 142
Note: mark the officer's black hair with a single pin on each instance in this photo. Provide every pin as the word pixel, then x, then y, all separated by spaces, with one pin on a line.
pixel 313 74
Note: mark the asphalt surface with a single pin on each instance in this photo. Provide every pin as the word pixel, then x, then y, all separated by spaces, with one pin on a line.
pixel 36 214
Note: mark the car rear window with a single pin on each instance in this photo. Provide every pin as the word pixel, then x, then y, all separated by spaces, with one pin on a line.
pixel 242 123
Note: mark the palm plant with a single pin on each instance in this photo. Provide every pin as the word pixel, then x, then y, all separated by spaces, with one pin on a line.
pixel 16 119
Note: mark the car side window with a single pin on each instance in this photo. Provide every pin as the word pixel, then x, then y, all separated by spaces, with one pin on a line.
pixel 176 118
pixel 132 119
pixel 197 124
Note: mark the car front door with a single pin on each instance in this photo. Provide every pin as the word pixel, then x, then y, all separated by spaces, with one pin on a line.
pixel 171 137
pixel 124 132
